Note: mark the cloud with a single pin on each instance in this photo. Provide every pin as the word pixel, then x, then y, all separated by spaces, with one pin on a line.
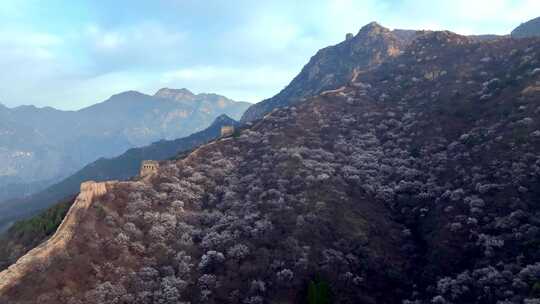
pixel 145 45
pixel 27 59
pixel 462 16
pixel 247 84
pixel 27 46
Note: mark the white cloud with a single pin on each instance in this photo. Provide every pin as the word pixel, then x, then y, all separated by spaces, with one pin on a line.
pixel 14 38
pixel 26 60
pixel 135 37
pixel 349 15
pixel 462 16
pixel 249 83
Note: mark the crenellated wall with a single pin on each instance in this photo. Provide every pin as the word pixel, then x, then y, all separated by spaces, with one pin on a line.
pixel 40 255
pixel 149 167
pixel 227 131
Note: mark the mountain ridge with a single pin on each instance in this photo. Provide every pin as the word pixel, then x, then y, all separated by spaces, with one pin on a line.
pixel 50 144
pixel 333 66
pixel 121 167
pixel 292 95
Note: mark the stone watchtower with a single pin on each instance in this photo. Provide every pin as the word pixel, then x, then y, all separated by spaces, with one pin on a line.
pixel 149 167
pixel 227 131
pixel 349 36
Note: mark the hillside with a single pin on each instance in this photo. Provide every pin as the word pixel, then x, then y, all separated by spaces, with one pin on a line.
pixel 415 183
pixel 333 66
pixel 530 28
pixel 121 167
pixel 41 146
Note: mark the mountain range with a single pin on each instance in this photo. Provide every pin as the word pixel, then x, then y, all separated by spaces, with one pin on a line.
pixel 40 146
pixel 412 180
pixel 121 167
pixel 26 234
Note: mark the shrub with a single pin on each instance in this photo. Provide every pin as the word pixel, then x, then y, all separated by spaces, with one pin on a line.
pixel 318 292
pixel 535 290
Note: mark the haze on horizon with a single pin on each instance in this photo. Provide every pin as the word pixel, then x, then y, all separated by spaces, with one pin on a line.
pixel 71 54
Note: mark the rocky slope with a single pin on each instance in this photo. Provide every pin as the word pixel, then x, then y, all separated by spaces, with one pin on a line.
pixel 333 66
pixel 417 183
pixel 39 146
pixel 121 167
pixel 530 28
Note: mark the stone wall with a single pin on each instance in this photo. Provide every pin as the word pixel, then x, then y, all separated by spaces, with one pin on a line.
pixel 41 255
pixel 149 167
pixel 227 131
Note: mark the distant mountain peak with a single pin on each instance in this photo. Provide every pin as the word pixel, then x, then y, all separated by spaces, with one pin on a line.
pixel 175 94
pixel 130 93
pixel 372 28
pixel 530 28
pixel 333 66
pixel 372 25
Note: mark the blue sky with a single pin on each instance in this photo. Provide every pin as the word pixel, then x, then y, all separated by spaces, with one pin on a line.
pixel 70 54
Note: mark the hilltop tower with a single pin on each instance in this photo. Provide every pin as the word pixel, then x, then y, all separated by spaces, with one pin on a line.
pixel 149 167
pixel 227 131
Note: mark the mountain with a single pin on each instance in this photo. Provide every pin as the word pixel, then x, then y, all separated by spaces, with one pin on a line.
pixel 40 146
pixel 530 28
pixel 121 167
pixel 417 182
pixel 333 66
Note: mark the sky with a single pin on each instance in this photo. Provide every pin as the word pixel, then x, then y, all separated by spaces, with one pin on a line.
pixel 71 54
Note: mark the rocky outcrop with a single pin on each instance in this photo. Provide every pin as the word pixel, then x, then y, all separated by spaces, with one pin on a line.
pixel 175 94
pixel 333 66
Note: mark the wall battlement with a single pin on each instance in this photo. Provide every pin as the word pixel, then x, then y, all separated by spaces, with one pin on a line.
pixel 43 254
pixel 227 131
pixel 149 167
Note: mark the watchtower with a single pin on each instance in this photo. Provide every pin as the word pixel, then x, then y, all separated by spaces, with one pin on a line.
pixel 227 131
pixel 349 36
pixel 149 167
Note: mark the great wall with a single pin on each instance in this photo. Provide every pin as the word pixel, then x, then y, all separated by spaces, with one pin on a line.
pixel 90 192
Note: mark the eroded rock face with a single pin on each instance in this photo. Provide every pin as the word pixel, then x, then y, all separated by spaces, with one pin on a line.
pixel 396 188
